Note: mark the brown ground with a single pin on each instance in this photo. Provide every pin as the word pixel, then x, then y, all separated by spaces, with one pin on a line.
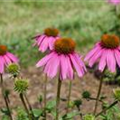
pixel 89 83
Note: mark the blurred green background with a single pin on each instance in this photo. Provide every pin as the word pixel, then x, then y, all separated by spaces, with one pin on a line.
pixel 84 21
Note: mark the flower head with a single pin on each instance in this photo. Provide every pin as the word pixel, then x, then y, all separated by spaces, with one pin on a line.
pixel 46 40
pixel 114 2
pixel 63 59
pixel 6 58
pixel 106 52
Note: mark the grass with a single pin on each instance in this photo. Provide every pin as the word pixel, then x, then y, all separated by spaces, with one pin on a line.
pixel 84 21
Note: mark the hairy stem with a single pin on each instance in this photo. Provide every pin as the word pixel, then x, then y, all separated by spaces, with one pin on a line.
pixel 104 110
pixel 25 106
pixel 69 95
pixel 5 99
pixel 45 98
pixel 58 98
pixel 29 105
pixel 98 95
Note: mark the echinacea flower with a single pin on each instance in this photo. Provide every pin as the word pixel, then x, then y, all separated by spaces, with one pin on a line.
pixel 63 60
pixel 6 58
pixel 46 40
pixel 114 2
pixel 106 52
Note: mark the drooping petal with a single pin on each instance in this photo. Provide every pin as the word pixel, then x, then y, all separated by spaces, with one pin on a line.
pixel 95 57
pixel 63 67
pixel 7 60
pixel 44 45
pixel 70 69
pixel 51 42
pixel 44 60
pixel 79 58
pixel 76 65
pixel 92 52
pixel 1 65
pixel 111 63
pixel 40 39
pixel 80 63
pixel 103 61
pixel 52 66
pixel 12 57
pixel 117 56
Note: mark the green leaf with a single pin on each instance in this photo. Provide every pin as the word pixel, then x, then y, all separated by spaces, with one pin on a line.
pixel 5 117
pixel 50 105
pixel 37 113
pixel 70 115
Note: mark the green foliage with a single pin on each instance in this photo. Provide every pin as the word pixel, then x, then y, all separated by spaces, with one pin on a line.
pixel 37 113
pixel 112 114
pixel 51 105
pixel 70 116
pixel 21 114
pixel 117 94
pixel 89 117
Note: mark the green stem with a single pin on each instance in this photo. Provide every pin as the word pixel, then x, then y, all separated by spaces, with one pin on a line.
pixel 45 98
pixel 104 110
pixel 58 98
pixel 29 105
pixel 5 99
pixel 25 106
pixel 69 95
pixel 98 95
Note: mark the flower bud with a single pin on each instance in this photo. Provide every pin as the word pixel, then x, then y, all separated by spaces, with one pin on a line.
pixel 86 94
pixel 21 85
pixel 13 69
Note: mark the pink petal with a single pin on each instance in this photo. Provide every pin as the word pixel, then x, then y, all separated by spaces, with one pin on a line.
pixel 13 58
pixel 103 61
pixel 40 39
pixel 1 65
pixel 95 57
pixel 51 43
pixel 63 67
pixel 44 45
pixel 52 66
pixel 7 60
pixel 111 63
pixel 44 60
pixel 76 65
pixel 92 52
pixel 81 62
pixel 70 69
pixel 117 56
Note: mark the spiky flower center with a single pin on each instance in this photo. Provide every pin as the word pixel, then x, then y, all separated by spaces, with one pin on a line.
pixel 65 45
pixel 110 41
pixel 3 49
pixel 51 32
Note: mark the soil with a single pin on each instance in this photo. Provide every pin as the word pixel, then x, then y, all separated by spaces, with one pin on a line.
pixel 36 80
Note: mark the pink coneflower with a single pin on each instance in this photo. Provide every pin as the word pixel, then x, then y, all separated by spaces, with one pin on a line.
pixel 107 52
pixel 46 40
pixel 115 2
pixel 63 59
pixel 6 58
